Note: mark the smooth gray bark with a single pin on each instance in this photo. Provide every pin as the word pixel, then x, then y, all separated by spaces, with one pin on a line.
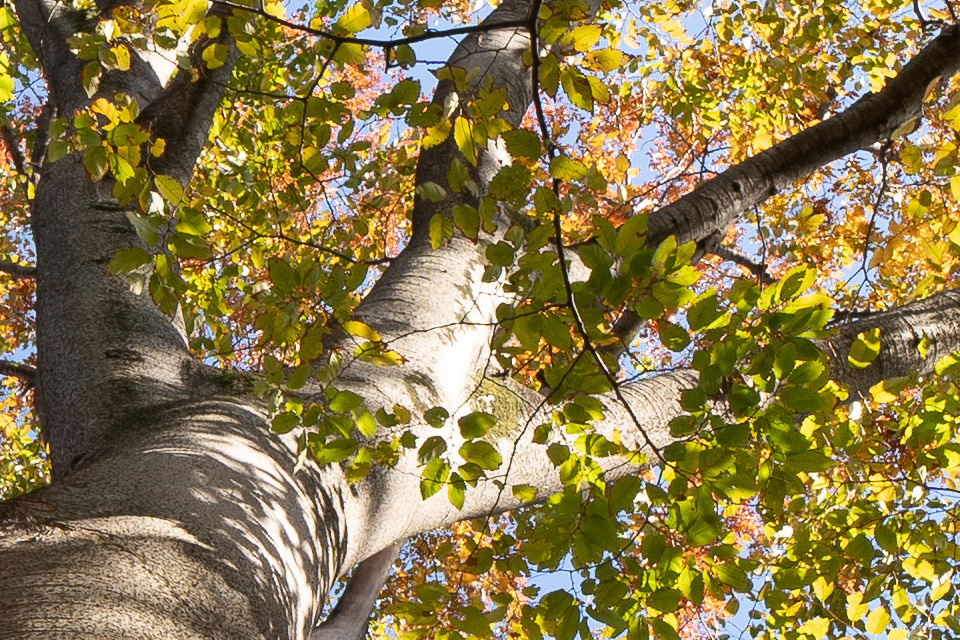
pixel 174 513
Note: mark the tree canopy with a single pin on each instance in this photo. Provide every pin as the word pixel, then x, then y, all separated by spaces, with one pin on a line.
pixel 656 293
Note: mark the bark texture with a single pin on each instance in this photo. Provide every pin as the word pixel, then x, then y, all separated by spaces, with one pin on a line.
pixel 175 514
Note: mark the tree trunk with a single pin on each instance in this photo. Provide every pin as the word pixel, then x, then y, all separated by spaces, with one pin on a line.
pixel 174 512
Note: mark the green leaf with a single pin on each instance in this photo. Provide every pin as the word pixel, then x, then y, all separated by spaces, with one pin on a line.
pixel 807 401
pixel 482 454
pixel 436 417
pixel 731 574
pixel 361 330
pixel 342 401
pixel 524 492
pixel 864 349
pixel 467 220
pixel 431 448
pixel 284 422
pixel 463 135
pixel 441 230
pixel 334 451
pixel 673 337
pixel 476 424
pixel 95 162
pixel 128 260
pixel 456 489
pixel 665 600
pixel 566 169
pixel 282 276
pixel 522 143
pixel 355 18
pixel 431 192
pixel 434 477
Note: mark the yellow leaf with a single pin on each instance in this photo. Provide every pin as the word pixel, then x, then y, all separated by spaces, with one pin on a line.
pixel 856 608
pixel 274 9
pixel 463 134
pixel 361 330
pixel 817 627
pixel 897 634
pixel 354 19
pixel 888 390
pixel 878 620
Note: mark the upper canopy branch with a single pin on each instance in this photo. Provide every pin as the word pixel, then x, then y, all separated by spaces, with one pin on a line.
pixel 17 270
pixel 387 43
pixel 26 373
pixel 711 208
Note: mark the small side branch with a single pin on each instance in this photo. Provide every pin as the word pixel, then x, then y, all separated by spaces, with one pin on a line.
pixel 732 255
pixel 350 617
pixel 26 373
pixel 13 149
pixel 18 271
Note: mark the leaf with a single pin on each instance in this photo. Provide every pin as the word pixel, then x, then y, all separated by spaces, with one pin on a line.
pixel 888 390
pixel 482 454
pixel 524 492
pixel 431 448
pixel 355 18
pixel 284 422
pixel 467 220
pixel 128 260
pixel 522 143
pixel 434 477
pixel 361 330
pixel 673 337
pixel 342 401
pixel 731 574
pixel 864 349
pixel 282 276
pixel 475 424
pixel 334 451
pixel 878 620
pixel 566 169
pixel 441 230
pixel 456 489
pixel 463 135
pixel 436 417
pixel 169 189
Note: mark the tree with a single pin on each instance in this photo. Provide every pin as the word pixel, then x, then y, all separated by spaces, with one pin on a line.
pixel 290 313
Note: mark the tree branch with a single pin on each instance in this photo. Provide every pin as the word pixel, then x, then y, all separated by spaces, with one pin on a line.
pixel 653 403
pixel 26 373
pixel 389 43
pixel 17 270
pixel 350 618
pixel 13 148
pixel 716 204
pixel 734 256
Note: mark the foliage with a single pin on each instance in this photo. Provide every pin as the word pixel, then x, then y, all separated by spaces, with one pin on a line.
pixel 829 515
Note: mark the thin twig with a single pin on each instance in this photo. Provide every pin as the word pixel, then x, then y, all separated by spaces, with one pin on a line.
pixel 732 255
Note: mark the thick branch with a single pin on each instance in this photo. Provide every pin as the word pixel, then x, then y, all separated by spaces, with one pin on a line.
pixel 17 270
pixel 26 373
pixel 932 324
pixel 716 204
pixel 350 618
pixel 48 25
pixel 655 402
